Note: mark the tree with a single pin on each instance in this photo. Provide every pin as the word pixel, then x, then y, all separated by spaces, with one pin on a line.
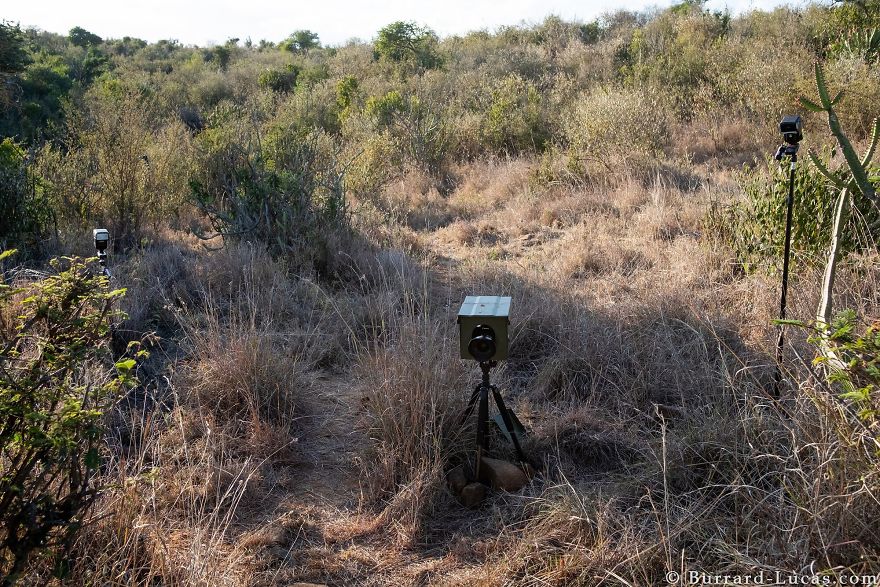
pixel 26 212
pixel 300 42
pixel 406 42
pixel 13 60
pixel 13 49
pixel 83 38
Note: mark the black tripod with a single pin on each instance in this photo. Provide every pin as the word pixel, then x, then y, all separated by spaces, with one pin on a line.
pixel 787 149
pixel 481 393
pixel 102 259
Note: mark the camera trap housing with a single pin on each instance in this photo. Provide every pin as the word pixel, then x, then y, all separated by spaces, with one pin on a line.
pixel 102 240
pixel 791 128
pixel 482 325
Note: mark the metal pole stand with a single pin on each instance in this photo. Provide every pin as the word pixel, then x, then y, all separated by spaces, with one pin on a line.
pixel 785 150
pixel 481 394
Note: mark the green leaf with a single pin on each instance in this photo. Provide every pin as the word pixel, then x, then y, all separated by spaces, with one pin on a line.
pixel 125 366
pixel 8 253
pixel 837 98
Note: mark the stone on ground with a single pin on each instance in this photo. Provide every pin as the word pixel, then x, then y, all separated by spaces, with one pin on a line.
pixel 456 480
pixel 502 474
pixel 472 494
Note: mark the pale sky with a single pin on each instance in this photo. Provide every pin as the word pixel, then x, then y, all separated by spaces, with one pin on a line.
pixel 199 22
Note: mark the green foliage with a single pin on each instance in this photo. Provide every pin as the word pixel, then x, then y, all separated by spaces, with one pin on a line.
pixel 93 65
pixel 126 46
pixel 612 130
pixel 515 122
pixel 57 382
pixel 13 50
pixel 279 80
pixel 862 44
pixel 44 85
pixel 118 169
pixel 346 93
pixel 852 361
pixel 300 42
pixel 417 131
pixel 407 43
pixel 82 38
pixel 26 213
pixel 754 228
pixel 589 33
pixel 672 52
pixel 221 55
pixel 285 191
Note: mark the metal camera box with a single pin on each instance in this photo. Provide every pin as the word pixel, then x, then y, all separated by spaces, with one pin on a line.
pixel 491 311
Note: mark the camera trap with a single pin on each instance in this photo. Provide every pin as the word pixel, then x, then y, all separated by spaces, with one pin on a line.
pixel 482 325
pixel 483 337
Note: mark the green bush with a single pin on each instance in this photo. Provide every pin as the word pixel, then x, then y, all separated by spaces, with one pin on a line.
pixel 514 121
pixel 279 80
pixel 754 228
pixel 57 382
pixel 300 42
pixel 406 43
pixel 284 190
pixel 26 213
pixel 614 133
pixel 13 59
pixel 854 364
pixel 418 130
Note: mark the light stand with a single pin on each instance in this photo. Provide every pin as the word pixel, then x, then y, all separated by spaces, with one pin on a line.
pixel 791 132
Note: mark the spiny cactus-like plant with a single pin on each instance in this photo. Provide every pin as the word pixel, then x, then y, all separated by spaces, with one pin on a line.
pixel 852 180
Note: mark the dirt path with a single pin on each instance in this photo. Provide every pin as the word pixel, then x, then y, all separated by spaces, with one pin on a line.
pixel 320 529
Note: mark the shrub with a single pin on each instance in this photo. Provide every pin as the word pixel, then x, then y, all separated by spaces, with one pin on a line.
pixel 284 191
pixel 57 383
pixel 407 43
pixel 26 213
pixel 614 132
pixel 755 227
pixel 300 42
pixel 514 122
pixel 279 80
pixel 13 58
pixel 418 130
pixel 854 364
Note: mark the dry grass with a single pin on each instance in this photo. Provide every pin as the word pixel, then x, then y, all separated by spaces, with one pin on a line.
pixel 300 429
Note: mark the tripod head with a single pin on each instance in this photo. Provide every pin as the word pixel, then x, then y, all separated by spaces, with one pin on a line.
pixel 787 150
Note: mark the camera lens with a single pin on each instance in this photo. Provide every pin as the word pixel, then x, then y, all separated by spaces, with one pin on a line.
pixel 482 345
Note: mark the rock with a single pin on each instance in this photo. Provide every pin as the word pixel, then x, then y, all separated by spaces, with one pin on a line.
pixel 472 494
pixel 456 480
pixel 502 475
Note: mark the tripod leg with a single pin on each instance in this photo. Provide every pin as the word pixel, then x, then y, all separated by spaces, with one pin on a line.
pixel 471 403
pixel 505 416
pixel 482 424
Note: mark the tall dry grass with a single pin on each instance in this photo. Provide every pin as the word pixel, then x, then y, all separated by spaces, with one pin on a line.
pixel 640 363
